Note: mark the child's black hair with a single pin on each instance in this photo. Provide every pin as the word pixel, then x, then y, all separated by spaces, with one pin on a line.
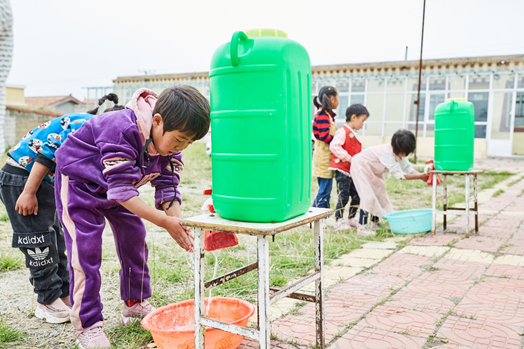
pixel 109 97
pixel 185 109
pixel 356 109
pixel 403 141
pixel 322 101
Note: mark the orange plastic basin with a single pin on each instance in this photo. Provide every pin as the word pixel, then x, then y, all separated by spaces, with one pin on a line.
pixel 173 326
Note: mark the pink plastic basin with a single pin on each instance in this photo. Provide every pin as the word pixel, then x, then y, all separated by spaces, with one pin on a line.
pixel 173 326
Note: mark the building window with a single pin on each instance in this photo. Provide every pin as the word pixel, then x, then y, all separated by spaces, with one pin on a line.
pixel 357 99
pixel 358 85
pixel 343 85
pixel 503 81
pixel 413 107
pixel 456 82
pixel 480 101
pixel 437 83
pixel 477 82
pixel 434 101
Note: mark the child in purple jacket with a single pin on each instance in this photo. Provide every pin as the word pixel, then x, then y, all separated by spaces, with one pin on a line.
pixel 99 170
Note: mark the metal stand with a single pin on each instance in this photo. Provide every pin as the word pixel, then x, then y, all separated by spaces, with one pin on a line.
pixel 266 295
pixel 446 209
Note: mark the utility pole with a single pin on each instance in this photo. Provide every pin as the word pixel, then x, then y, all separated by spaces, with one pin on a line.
pixel 419 79
pixel 406 55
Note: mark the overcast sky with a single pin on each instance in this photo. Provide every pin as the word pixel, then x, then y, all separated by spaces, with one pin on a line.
pixel 61 46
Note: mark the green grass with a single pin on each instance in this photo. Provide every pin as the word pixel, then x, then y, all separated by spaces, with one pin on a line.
pixel 492 178
pixel 8 334
pixel 129 337
pixel 10 260
pixel 4 218
pixel 498 192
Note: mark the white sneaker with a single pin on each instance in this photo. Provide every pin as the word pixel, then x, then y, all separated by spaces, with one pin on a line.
pixel 54 313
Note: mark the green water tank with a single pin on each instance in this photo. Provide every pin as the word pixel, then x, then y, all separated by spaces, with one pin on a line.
pixel 260 91
pixel 454 135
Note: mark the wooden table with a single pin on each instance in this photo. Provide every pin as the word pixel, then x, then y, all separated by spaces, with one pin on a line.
pixel 446 210
pixel 266 295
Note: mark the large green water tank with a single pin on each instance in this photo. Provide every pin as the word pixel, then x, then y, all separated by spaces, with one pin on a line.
pixel 454 135
pixel 260 91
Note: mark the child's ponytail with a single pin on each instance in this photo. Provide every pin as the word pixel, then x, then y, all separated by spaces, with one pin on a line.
pixel 112 97
pixel 322 101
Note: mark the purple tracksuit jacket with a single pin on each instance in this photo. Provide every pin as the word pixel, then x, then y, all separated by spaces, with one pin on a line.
pixel 97 166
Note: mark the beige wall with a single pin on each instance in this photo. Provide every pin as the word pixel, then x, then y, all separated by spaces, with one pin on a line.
pixel 14 95
pixel 518 143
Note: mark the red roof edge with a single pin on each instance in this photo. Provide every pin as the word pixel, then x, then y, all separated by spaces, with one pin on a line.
pixel 40 112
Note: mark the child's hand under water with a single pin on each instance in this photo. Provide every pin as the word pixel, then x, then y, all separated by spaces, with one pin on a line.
pixel 182 235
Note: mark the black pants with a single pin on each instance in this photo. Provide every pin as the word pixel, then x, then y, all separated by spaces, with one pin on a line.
pixel 363 219
pixel 346 189
pixel 40 237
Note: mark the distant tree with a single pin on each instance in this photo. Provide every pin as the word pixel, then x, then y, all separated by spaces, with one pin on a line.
pixel 6 54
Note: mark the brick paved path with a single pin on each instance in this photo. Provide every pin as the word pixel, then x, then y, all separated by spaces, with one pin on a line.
pixel 441 292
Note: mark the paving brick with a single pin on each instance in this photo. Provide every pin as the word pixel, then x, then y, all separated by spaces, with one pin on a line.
pixel 415 323
pixel 361 337
pixel 348 261
pixel 402 265
pixel 281 307
pixel 437 240
pixel 478 334
pixel 421 301
pixel 515 249
pixel 496 292
pixel 390 245
pixel 370 253
pixel 514 260
pixel 439 288
pixel 506 271
pixel 248 343
pixel 366 288
pixel 481 243
pixel 470 255
pixel 300 329
pixel 333 275
pixel 337 312
pixel 428 251
pixel 510 316
pixel 465 268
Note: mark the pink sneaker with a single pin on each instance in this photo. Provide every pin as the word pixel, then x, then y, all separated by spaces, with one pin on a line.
pixel 353 223
pixel 54 313
pixel 341 225
pixel 135 313
pixel 92 337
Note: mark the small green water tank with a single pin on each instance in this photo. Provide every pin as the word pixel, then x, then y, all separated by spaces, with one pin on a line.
pixel 454 135
pixel 260 91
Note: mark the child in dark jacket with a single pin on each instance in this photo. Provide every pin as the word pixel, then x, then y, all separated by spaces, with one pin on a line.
pixel 99 171
pixel 26 189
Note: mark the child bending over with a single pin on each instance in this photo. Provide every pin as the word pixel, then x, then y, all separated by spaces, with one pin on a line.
pixel 26 189
pixel 368 168
pixel 99 170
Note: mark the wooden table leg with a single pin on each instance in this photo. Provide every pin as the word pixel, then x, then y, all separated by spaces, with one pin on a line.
pixel 319 284
pixel 263 292
pixel 199 263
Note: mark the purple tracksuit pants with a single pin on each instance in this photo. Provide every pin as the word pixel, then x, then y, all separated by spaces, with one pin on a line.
pixel 83 212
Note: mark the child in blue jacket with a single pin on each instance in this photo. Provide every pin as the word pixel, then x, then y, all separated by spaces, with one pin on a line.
pixel 26 189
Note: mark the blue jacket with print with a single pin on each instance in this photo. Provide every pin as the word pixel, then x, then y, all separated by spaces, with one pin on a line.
pixel 41 143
